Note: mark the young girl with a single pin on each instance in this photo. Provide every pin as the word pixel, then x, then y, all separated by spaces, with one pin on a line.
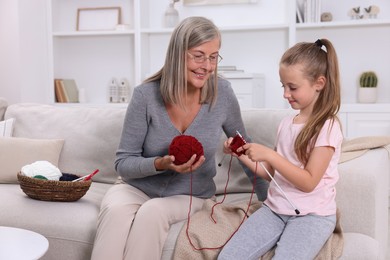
pixel 299 214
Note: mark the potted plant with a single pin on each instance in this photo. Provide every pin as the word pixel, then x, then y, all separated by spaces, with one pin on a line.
pixel 368 87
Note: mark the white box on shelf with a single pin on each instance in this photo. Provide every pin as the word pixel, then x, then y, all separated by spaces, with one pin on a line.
pixel 248 87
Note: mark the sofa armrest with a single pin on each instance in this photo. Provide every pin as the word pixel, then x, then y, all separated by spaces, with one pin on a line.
pixel 362 195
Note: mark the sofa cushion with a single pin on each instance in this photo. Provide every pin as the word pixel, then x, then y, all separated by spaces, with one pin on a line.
pixel 91 134
pixel 7 127
pixel 18 152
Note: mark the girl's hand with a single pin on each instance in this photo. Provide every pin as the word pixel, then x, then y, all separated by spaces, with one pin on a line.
pixel 166 163
pixel 255 152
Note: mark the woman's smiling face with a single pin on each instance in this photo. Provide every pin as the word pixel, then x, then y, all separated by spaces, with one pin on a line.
pixel 198 72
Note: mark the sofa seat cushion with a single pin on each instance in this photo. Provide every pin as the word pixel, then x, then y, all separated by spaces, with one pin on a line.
pixel 69 226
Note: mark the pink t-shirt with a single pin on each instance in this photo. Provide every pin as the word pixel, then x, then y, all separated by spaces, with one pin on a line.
pixel 321 200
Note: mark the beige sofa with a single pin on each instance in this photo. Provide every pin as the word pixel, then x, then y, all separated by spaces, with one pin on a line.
pixel 91 136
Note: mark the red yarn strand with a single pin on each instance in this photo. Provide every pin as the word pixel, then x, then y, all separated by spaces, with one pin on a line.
pixel 224 196
pixel 224 192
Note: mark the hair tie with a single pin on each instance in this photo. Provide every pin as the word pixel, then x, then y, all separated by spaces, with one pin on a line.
pixel 319 43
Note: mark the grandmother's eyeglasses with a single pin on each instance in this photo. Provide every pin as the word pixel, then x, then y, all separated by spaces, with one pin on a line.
pixel 214 59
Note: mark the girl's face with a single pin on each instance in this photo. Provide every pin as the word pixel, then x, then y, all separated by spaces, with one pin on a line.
pixel 298 90
pixel 201 63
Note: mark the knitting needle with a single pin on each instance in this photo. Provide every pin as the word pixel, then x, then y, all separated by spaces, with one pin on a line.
pixel 86 177
pixel 220 162
pixel 277 185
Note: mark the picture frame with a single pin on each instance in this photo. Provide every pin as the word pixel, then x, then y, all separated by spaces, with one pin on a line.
pixel 218 2
pixel 98 18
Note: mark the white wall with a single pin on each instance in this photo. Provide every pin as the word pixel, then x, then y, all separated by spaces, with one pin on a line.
pixel 23 51
pixel 9 51
pixel 33 51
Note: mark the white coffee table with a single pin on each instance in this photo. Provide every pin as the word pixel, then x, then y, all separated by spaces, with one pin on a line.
pixel 21 244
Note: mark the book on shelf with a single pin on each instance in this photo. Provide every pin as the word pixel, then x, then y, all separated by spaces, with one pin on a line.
pixel 71 90
pixel 66 91
pixel 59 91
pixel 308 11
pixel 299 14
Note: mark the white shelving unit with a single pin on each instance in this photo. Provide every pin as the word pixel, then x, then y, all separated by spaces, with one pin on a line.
pixel 249 89
pixel 365 119
pixel 92 58
pixel 254 36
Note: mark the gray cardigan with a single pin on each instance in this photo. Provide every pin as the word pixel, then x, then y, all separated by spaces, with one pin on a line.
pixel 148 131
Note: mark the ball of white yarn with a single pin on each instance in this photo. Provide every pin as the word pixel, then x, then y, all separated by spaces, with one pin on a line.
pixel 43 168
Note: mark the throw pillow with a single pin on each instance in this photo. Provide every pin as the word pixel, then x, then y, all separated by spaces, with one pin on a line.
pixel 17 152
pixel 7 127
pixel 3 107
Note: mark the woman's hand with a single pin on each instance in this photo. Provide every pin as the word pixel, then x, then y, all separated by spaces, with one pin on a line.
pixel 226 147
pixel 166 163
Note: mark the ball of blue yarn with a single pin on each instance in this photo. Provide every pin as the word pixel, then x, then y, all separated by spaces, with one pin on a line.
pixel 68 177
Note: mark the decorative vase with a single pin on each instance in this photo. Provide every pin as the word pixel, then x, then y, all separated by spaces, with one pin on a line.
pixel 367 95
pixel 171 16
pixel 113 91
pixel 124 91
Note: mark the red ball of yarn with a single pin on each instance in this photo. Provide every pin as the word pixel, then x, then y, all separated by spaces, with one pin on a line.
pixel 183 147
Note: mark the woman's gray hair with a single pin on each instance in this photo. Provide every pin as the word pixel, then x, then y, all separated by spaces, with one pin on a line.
pixel 191 32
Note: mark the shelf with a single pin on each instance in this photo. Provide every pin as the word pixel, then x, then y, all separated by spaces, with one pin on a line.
pixel 92 33
pixel 254 27
pixel 351 23
pixel 224 28
pixel 254 38
pixel 368 108
pixel 157 30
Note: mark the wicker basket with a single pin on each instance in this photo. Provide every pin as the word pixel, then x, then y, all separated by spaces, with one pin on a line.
pixel 49 190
